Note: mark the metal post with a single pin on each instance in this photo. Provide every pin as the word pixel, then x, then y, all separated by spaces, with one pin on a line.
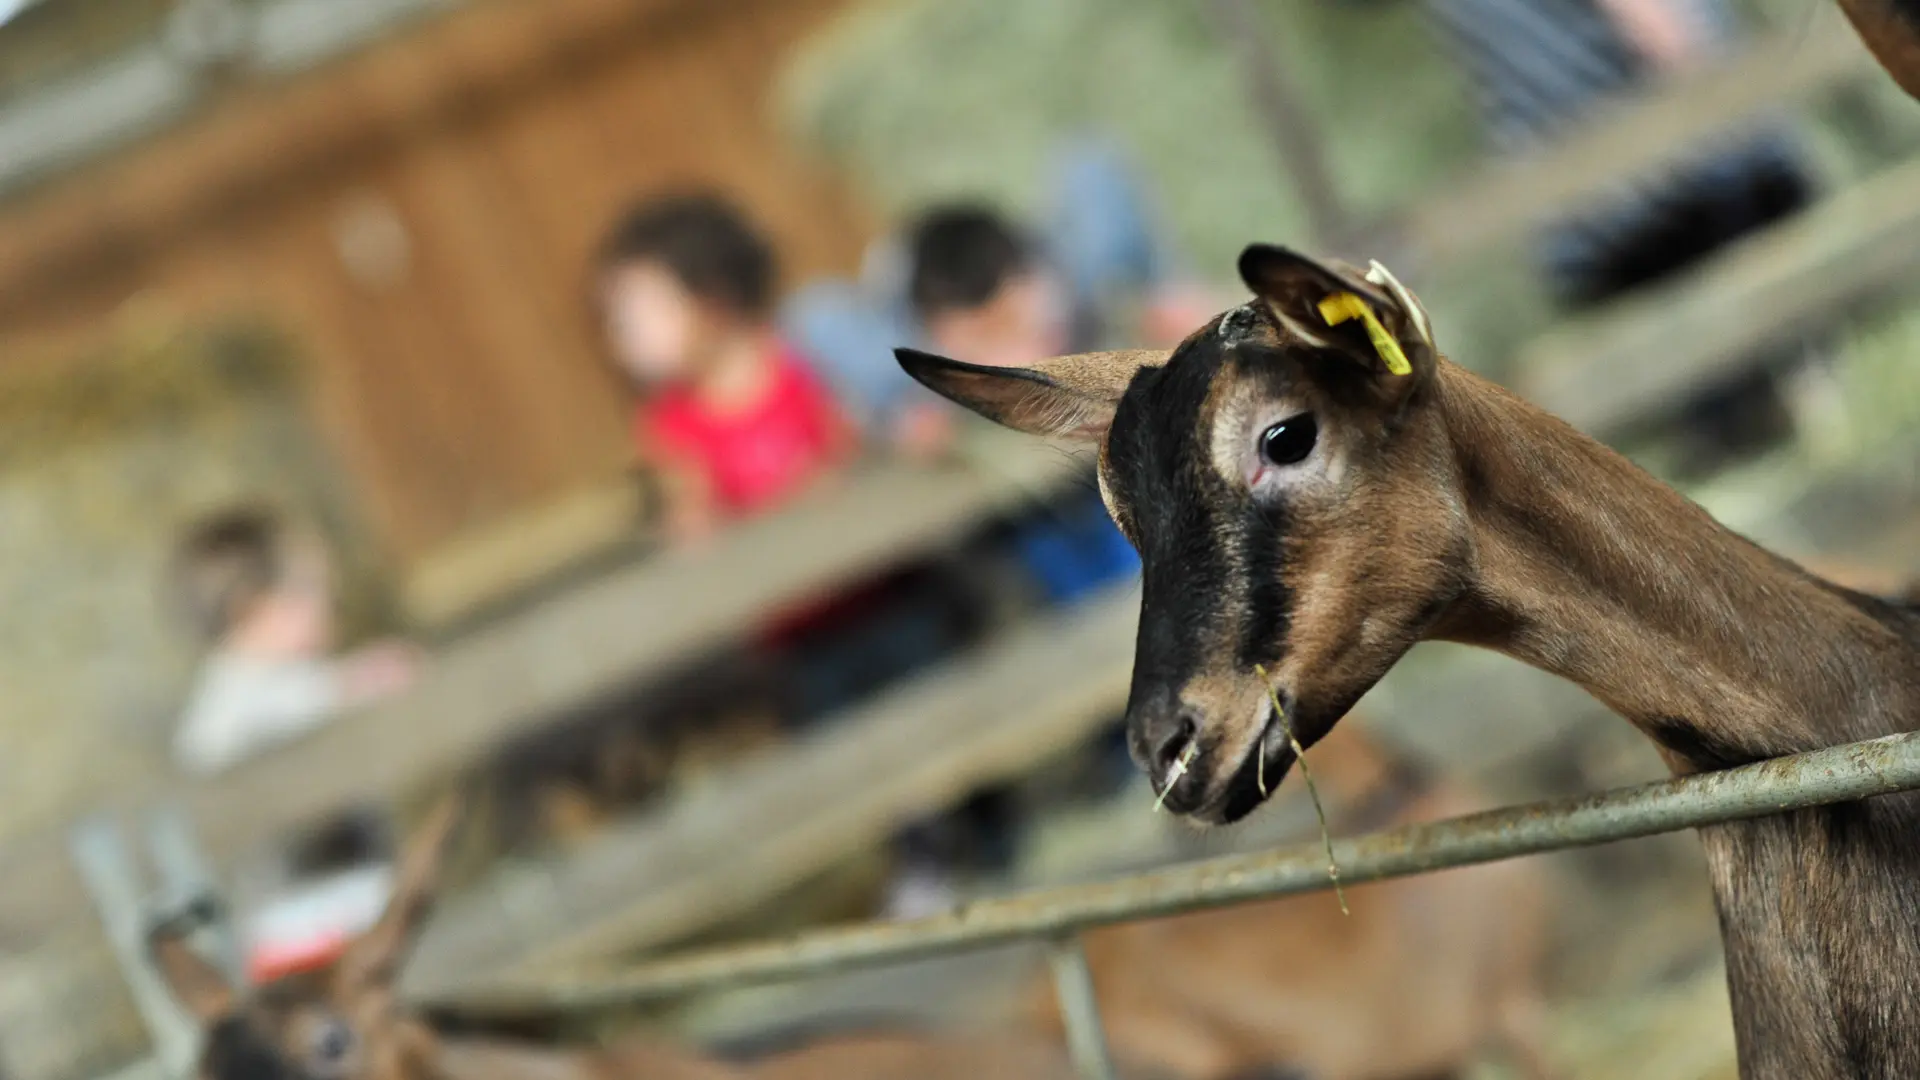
pixel 106 865
pixel 1079 1009
pixel 186 881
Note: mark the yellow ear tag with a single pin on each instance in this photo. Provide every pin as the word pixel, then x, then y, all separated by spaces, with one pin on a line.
pixel 1341 307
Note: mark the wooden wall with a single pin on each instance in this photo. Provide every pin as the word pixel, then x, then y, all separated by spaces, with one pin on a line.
pixel 419 215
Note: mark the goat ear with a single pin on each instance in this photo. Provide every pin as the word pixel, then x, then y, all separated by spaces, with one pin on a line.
pixel 199 986
pixel 1294 287
pixel 1066 397
pixel 373 961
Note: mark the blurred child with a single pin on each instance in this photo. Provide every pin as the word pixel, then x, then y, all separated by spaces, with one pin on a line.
pixel 737 422
pixel 967 282
pixel 964 281
pixel 730 416
pixel 260 594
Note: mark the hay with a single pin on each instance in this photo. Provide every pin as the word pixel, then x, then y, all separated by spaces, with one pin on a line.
pixel 1174 773
pixel 1313 792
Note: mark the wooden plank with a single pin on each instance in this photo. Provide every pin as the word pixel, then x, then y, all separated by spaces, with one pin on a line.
pixel 250 143
pixel 581 395
pixel 1507 200
pixel 482 566
pixel 791 812
pixel 509 678
pixel 409 370
pixel 1603 372
pixel 366 422
pixel 502 680
pixel 983 717
pixel 512 676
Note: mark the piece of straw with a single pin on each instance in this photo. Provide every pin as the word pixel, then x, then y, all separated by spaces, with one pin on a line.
pixel 1300 755
pixel 1174 773
pixel 1260 767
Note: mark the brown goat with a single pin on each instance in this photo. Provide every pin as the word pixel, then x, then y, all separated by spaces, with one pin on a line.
pixel 1314 499
pixel 1425 972
pixel 348 1023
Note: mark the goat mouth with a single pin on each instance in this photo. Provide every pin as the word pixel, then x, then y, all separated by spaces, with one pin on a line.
pixel 1259 773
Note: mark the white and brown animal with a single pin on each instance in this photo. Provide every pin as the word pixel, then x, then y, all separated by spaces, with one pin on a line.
pixel 1301 507
pixel 349 1024
pixel 1425 974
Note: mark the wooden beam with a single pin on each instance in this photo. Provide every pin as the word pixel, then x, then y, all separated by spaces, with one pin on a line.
pixel 291 132
pixel 1604 372
pixel 780 818
pixel 479 568
pixel 516 674
pixel 504 679
pixel 1508 199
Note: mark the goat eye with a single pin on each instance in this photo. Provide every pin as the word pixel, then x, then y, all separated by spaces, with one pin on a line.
pixel 1289 441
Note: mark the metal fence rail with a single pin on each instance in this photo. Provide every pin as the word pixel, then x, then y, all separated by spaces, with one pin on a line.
pixel 1838 774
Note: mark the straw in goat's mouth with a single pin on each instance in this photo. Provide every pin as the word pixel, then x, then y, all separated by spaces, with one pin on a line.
pixel 1174 772
pixel 1313 792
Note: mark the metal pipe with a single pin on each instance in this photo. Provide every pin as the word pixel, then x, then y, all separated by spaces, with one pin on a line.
pixel 108 867
pixel 186 878
pixel 1080 1009
pixel 1837 774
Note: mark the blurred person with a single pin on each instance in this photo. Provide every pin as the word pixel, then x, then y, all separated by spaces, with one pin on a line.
pixel 966 281
pixel 735 421
pixel 982 291
pixel 969 282
pixel 260 594
pixel 1539 68
pixel 731 417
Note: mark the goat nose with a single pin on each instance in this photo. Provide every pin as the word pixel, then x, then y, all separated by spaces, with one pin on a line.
pixel 1166 739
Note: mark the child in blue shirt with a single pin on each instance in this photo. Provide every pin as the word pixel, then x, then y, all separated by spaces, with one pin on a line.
pixel 964 281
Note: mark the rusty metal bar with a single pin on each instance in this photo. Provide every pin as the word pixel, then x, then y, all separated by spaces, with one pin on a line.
pixel 1838 774
pixel 1080 1009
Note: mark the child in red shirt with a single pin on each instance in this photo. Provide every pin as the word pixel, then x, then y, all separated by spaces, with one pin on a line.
pixel 755 456
pixel 731 417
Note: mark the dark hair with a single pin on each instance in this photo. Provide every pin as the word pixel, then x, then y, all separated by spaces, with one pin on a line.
pixel 225 564
pixel 959 256
pixel 703 241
